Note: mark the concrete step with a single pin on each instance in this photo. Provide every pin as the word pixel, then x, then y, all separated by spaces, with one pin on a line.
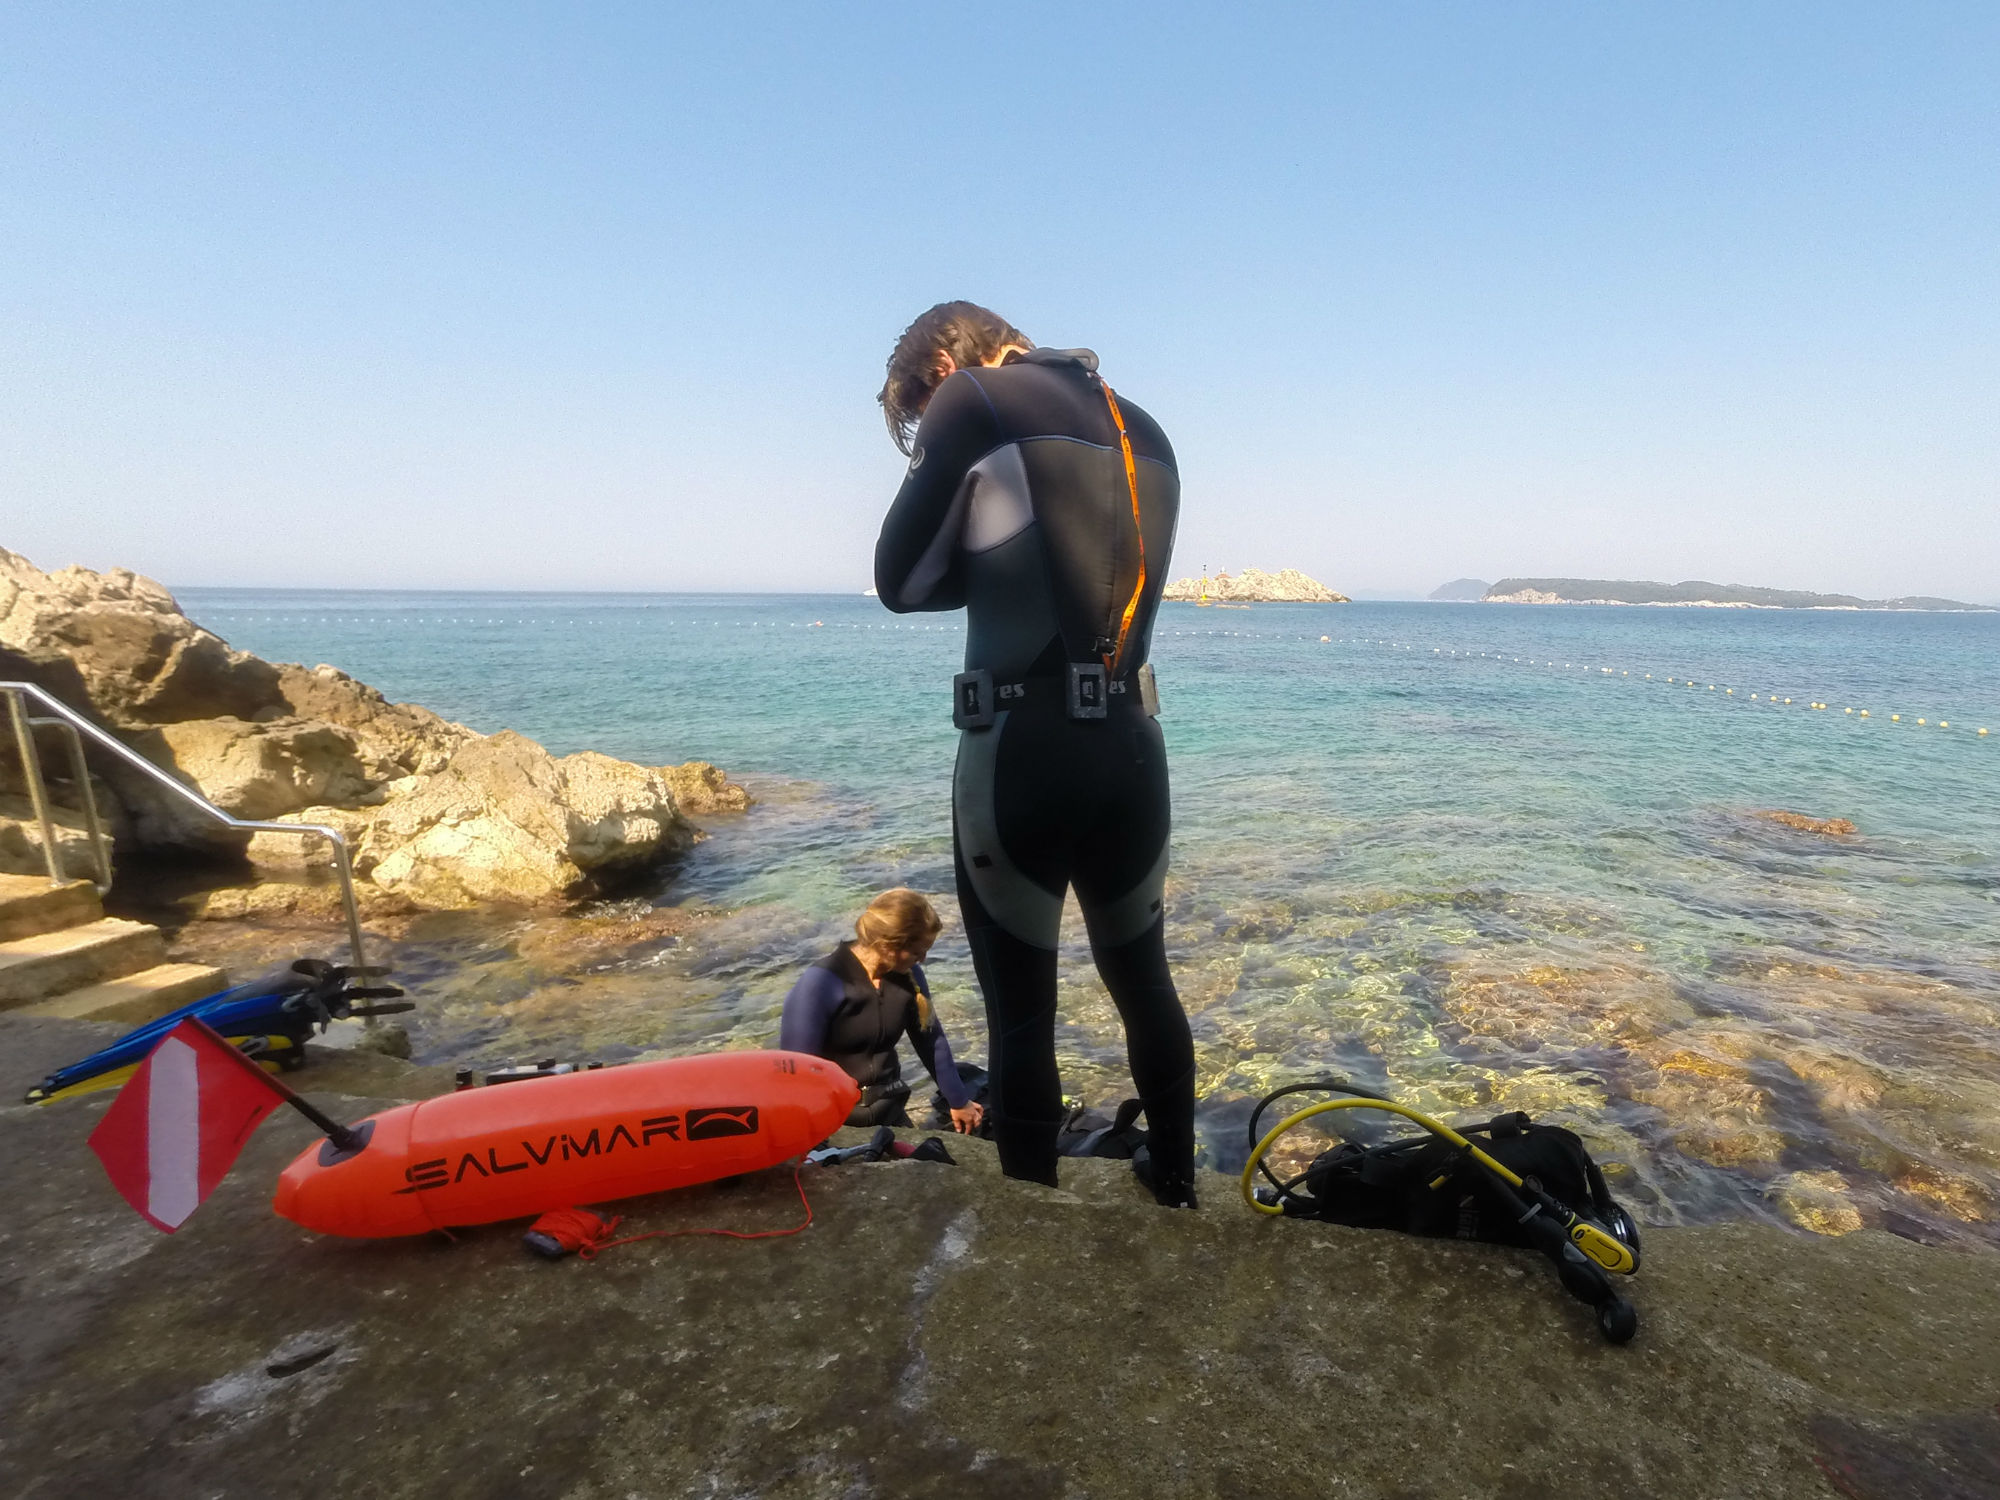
pixel 53 963
pixel 30 905
pixel 136 998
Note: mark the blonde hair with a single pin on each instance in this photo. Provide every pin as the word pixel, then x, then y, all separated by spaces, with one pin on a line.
pixel 900 918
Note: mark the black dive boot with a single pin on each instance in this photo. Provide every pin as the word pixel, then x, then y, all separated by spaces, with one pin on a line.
pixel 1166 1162
pixel 1027 1148
pixel 1168 1191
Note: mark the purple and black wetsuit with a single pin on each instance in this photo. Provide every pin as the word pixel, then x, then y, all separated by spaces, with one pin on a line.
pixel 836 1012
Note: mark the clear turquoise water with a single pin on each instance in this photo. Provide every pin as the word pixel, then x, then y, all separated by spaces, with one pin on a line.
pixel 1445 852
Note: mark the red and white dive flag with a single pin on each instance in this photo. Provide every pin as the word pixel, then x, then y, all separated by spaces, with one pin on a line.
pixel 175 1128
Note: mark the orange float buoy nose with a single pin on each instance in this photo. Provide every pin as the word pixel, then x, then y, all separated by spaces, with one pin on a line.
pixel 518 1149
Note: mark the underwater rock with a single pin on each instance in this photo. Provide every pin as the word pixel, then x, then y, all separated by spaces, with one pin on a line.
pixel 702 788
pixel 1206 979
pixel 599 935
pixel 1569 1005
pixel 1817 1201
pixel 1839 1083
pixel 1715 1110
pixel 315 901
pixel 1948 1192
pixel 1834 827
pixel 1698 1075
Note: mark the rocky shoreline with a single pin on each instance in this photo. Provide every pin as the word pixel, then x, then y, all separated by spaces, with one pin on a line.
pixel 436 815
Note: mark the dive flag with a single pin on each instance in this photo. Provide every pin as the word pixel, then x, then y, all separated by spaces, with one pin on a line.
pixel 178 1124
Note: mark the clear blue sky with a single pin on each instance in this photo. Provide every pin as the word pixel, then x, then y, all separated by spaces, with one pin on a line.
pixel 591 296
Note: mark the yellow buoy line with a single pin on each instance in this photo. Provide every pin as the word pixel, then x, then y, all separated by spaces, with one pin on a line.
pixel 1676 681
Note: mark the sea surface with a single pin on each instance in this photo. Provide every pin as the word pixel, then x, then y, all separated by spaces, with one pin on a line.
pixel 1480 857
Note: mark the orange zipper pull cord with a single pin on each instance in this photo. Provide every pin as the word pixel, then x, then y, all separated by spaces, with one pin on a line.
pixel 1117 658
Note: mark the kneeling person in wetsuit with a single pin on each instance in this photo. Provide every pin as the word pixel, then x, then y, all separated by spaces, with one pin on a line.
pixel 852 1005
pixel 1044 505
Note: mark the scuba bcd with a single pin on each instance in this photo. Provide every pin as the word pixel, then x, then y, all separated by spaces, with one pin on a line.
pixel 1529 1185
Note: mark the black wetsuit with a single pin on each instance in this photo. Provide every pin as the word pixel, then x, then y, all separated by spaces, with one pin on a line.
pixel 835 1011
pixel 1020 507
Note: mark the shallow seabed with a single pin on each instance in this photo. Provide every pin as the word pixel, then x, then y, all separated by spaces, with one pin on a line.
pixel 1483 857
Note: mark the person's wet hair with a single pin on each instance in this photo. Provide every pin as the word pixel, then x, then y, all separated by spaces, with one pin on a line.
pixel 969 333
pixel 901 918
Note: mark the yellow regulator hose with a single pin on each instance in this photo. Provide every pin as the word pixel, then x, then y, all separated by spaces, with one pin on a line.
pixel 1608 1251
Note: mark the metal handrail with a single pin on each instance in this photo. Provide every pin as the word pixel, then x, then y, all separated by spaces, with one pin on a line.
pixel 76 726
pixel 100 846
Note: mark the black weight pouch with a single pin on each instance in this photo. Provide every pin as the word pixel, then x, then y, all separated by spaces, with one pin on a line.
pixel 1426 1185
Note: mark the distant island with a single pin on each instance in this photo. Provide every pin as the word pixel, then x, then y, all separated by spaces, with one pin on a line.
pixel 1692 594
pixel 1461 591
pixel 1253 586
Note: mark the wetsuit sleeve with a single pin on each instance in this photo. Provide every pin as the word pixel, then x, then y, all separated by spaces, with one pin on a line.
pixel 809 1009
pixel 917 559
pixel 933 1049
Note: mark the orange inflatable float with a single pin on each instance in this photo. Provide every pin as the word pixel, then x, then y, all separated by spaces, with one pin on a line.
pixel 518 1149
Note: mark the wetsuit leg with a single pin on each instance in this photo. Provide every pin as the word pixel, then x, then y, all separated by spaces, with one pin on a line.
pixel 1008 834
pixel 1120 873
pixel 1039 800
pixel 1023 1088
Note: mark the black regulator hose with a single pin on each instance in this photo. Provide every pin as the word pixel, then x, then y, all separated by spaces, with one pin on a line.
pixel 1314 1086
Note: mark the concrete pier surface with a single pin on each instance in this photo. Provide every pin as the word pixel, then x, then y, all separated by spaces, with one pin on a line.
pixel 940 1331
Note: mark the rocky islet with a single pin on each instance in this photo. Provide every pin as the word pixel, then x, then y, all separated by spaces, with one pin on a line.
pixel 1253 586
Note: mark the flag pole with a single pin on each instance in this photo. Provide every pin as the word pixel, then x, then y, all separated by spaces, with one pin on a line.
pixel 344 1137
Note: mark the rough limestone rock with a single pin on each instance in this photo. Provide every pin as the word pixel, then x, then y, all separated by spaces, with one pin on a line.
pixel 21 839
pixel 143 662
pixel 701 788
pixel 940 1331
pixel 259 771
pixel 392 739
pixel 507 822
pixel 1254 586
pixel 21 834
pixel 254 738
pixel 435 814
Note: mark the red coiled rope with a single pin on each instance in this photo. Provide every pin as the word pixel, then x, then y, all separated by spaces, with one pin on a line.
pixel 589 1235
pixel 575 1228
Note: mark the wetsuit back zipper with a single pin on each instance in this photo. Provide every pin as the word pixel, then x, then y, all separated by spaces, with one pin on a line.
pixel 1116 657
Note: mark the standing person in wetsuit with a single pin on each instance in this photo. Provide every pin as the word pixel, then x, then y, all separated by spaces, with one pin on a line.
pixel 850 1007
pixel 1044 504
